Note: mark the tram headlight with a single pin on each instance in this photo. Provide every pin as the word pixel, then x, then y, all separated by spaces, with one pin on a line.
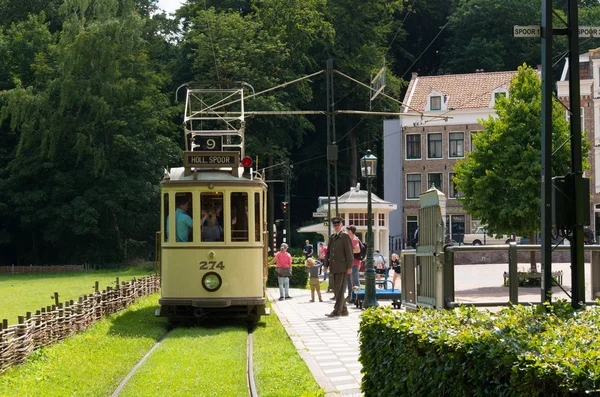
pixel 212 281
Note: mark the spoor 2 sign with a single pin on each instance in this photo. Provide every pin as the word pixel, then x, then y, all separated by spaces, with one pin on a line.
pixel 536 31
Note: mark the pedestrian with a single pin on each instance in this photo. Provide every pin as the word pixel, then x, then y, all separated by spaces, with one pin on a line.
pixel 380 264
pixel 321 255
pixel 397 268
pixel 338 260
pixel 308 250
pixel 354 280
pixel 283 270
pixel 315 285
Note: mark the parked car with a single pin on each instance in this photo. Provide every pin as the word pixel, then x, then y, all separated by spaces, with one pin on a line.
pixel 481 237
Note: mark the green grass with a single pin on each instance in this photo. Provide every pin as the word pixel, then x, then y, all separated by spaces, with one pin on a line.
pixel 21 293
pixel 203 361
pixel 278 368
pixel 91 363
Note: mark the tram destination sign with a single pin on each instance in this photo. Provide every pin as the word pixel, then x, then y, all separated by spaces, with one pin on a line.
pixel 211 159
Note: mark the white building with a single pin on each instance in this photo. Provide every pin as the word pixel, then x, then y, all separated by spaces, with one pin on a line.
pixel 352 207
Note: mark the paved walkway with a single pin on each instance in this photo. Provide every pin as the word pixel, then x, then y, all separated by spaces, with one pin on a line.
pixel 329 346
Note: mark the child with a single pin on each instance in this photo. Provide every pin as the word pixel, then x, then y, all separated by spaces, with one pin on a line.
pixel 313 269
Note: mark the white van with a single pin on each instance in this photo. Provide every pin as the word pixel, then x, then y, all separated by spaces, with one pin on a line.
pixel 480 237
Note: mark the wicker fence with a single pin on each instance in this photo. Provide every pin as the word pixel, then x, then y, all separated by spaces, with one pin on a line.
pixel 57 322
pixel 12 269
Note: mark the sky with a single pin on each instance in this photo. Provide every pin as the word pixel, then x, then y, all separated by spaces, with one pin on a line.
pixel 170 5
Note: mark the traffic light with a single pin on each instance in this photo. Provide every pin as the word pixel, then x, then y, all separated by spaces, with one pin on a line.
pixel 284 206
pixel 247 164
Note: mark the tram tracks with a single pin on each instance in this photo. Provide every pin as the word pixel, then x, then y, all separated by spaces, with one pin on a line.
pixel 171 341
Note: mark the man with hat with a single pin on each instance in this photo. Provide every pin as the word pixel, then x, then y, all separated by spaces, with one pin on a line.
pixel 339 259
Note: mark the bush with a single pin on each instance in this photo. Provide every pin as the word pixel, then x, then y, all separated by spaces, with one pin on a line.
pixel 299 277
pixel 518 351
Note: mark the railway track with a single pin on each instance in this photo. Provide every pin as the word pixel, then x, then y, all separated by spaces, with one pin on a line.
pixel 168 337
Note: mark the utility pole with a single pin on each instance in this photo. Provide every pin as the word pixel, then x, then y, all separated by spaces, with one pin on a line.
pixel 332 149
pixel 287 173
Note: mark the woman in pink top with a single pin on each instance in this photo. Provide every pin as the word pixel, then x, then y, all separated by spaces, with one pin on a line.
pixel 283 270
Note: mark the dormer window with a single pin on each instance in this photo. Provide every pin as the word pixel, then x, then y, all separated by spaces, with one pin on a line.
pixel 436 100
pixel 497 93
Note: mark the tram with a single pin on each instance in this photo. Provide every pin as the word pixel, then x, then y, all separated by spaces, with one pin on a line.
pixel 213 246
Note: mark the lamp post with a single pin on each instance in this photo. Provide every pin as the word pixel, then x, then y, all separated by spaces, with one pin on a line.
pixel 368 169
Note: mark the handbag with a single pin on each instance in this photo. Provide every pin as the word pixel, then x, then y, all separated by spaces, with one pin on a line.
pixel 283 272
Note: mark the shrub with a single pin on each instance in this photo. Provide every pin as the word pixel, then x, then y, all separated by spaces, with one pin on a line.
pixel 518 351
pixel 299 277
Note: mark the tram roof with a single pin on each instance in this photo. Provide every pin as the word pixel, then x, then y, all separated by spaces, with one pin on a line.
pixel 219 175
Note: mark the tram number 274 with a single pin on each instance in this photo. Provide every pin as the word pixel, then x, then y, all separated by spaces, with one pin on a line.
pixel 210 265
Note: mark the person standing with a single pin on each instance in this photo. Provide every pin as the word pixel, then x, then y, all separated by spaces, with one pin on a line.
pixel 354 280
pixel 308 250
pixel 397 267
pixel 380 265
pixel 338 260
pixel 322 251
pixel 183 222
pixel 315 285
pixel 283 270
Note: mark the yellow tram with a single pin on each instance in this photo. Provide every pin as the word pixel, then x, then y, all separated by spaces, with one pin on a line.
pixel 213 232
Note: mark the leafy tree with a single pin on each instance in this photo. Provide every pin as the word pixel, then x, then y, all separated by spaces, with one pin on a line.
pixel 94 134
pixel 480 36
pixel 500 179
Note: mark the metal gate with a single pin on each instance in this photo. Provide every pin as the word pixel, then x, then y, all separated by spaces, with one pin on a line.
pixel 432 227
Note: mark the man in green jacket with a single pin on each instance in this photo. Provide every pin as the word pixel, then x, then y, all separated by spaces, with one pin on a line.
pixel 338 260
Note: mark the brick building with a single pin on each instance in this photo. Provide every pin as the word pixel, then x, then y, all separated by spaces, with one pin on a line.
pixel 589 74
pixel 441 118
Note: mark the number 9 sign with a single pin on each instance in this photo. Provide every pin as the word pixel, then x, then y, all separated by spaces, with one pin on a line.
pixel 210 143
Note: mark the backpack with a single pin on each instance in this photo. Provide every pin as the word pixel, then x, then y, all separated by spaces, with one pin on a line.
pixel 363 251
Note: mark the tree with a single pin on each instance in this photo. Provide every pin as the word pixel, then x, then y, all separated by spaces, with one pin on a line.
pixel 500 180
pixel 94 134
pixel 480 36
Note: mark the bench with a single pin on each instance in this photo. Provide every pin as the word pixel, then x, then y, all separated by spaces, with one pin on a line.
pixel 393 294
pixel 558 275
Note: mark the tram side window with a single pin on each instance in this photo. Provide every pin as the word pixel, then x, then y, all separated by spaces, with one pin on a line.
pixel 183 218
pixel 211 209
pixel 166 217
pixel 239 216
pixel 257 213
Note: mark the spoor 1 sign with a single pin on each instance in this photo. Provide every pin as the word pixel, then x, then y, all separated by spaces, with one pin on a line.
pixel 527 31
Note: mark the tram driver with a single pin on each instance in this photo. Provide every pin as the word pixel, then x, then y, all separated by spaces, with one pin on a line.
pixel 183 222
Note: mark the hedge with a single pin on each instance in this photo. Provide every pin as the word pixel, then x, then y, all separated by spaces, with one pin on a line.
pixel 520 351
pixel 299 277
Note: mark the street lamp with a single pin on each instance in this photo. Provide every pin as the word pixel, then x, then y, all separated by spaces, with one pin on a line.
pixel 368 169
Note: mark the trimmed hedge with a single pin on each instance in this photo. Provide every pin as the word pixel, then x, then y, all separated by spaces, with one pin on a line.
pixel 521 351
pixel 299 277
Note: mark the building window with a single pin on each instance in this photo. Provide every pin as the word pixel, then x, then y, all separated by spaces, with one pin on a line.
pixel 434 146
pixel 435 103
pixel 452 192
pixel 413 186
pixel 456 147
pixel 412 223
pixel 473 136
pixel 434 179
pixel 358 219
pixel 413 146
pixel 381 219
pixel 499 94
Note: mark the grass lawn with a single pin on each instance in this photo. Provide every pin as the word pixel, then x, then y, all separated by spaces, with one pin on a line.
pixel 278 368
pixel 21 293
pixel 199 361
pixel 91 363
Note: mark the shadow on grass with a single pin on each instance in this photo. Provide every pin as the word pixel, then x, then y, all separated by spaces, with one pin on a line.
pixel 493 293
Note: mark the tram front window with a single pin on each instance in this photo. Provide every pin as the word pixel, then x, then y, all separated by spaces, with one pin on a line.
pixel 239 216
pixel 211 209
pixel 183 218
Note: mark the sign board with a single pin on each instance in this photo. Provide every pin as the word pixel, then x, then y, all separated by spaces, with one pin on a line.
pixel 536 31
pixel 319 214
pixel 589 31
pixel 211 159
pixel 527 31
pixel 208 143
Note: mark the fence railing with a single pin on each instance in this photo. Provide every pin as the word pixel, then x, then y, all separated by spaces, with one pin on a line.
pixel 57 322
pixel 20 269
